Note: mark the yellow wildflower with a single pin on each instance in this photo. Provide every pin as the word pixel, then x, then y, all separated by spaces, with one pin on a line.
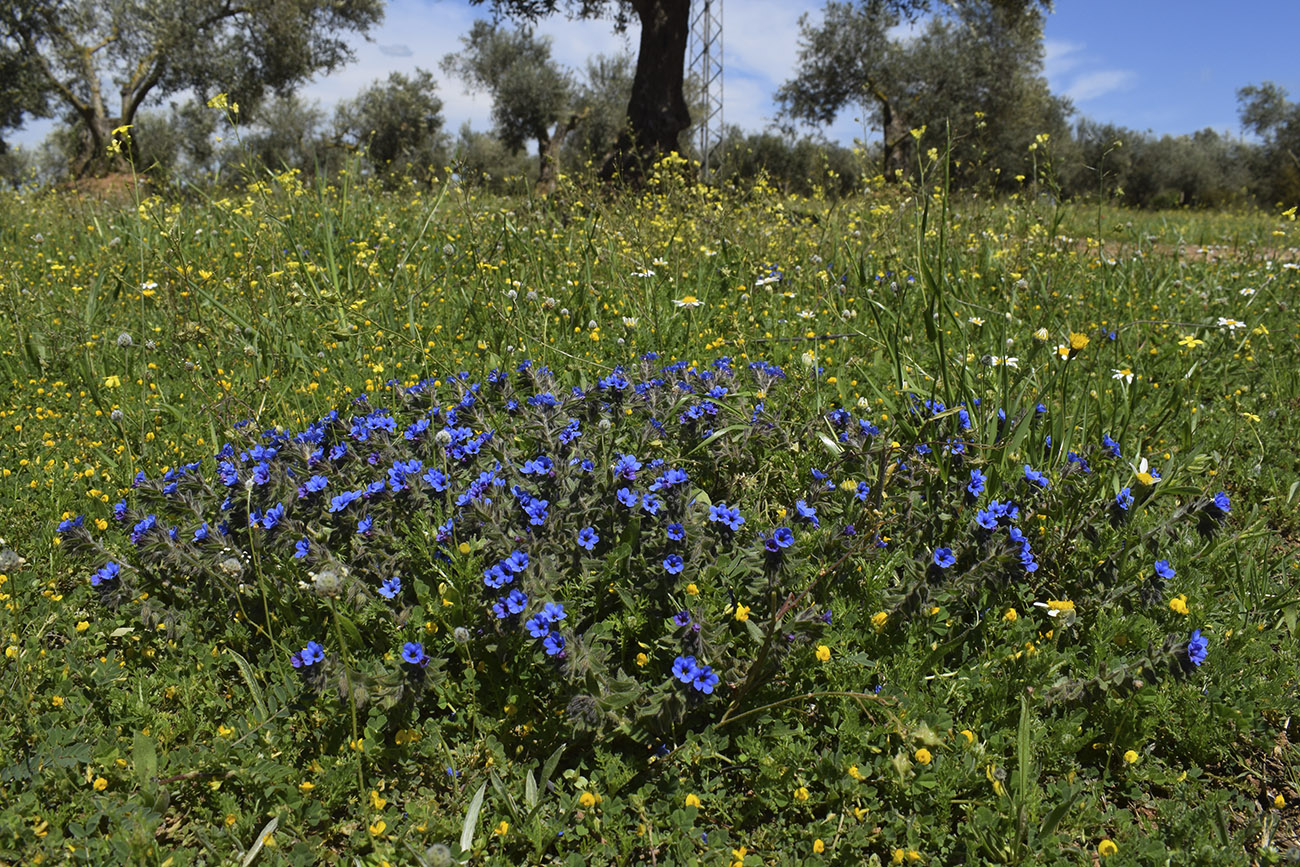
pixel 923 756
pixel 100 784
pixel 693 800
pixel 742 612
pixel 1106 848
pixel 823 653
pixel 1178 604
pixel 818 846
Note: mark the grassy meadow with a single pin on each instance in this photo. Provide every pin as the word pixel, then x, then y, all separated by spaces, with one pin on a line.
pixel 344 525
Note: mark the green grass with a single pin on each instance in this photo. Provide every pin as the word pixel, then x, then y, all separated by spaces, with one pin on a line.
pixel 166 731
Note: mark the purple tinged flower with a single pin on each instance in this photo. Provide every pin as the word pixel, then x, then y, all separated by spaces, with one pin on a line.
pixel 554 612
pixel 1197 648
pixel 682 618
pixel 107 572
pixel 783 537
pixel 391 588
pixel 976 485
pixel 413 653
pixel 261 473
pixel 516 562
pixel 627 497
pixel 626 467
pixel 986 519
pixel 1221 502
pixel 273 516
pixel 587 538
pixel 944 558
pixel 673 564
pixel 554 644
pixel 364 525
pixel 651 504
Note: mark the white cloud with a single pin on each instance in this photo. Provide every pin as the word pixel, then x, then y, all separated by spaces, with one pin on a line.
pixel 1091 85
pixel 1059 57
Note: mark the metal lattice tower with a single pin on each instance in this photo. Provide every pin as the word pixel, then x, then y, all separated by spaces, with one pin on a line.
pixel 705 71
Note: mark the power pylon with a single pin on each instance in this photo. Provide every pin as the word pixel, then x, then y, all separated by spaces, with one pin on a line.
pixel 705 71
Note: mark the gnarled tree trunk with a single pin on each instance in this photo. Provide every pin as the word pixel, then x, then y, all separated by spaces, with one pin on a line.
pixel 657 113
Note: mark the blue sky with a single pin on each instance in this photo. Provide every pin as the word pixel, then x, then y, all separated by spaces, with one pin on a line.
pixel 1168 67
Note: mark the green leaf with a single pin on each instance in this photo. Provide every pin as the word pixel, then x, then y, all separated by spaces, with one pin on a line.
pixel 246 671
pixel 144 754
pixel 471 819
pixel 267 830
pixel 530 790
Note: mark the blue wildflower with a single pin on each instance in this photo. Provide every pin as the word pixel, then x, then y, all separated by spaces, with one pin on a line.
pixel 413 653
pixel 1124 499
pixel 976 485
pixel 783 537
pixel 554 644
pixel 943 557
pixel 300 548
pixel 806 513
pixel 105 573
pixel 1034 477
pixel 627 497
pixel 273 516
pixel 723 514
pixel 538 626
pixel 391 588
pixel 684 668
pixel 312 653
pixel 673 564
pixel 1197 648
pixel 1221 502
pixel 705 680
pixel 587 538
pixel 1164 570
pixel 364 525
pixel 676 532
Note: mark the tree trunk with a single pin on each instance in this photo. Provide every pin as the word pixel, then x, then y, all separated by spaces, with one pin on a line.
pixel 894 138
pixel 93 158
pixel 657 113
pixel 548 152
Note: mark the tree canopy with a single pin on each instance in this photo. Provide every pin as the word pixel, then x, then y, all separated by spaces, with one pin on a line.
pixel 974 68
pixel 148 49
